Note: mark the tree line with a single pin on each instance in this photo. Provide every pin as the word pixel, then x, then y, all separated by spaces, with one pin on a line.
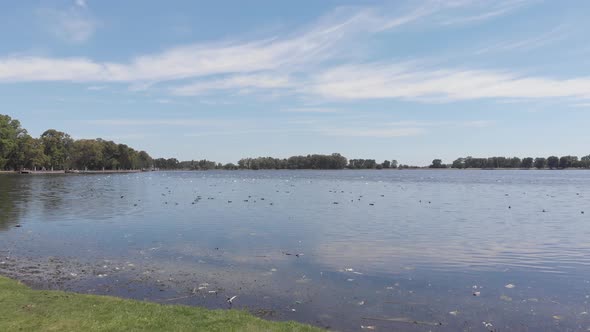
pixel 56 150
pixel 312 161
pixel 552 162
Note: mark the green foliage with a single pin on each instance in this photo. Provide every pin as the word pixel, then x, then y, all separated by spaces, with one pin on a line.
pixel 437 163
pixel 23 309
pixel 10 134
pixel 315 161
pixel 540 163
pixel 57 147
pixel 362 164
pixel 56 150
pixel 553 162
pixel 527 163
pixel 568 161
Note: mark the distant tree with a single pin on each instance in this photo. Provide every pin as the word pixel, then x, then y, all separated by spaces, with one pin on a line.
pixel 458 163
pixel 515 162
pixel 585 161
pixel 87 154
pixel 57 147
pixel 10 132
pixel 540 163
pixel 568 161
pixel 527 162
pixel 394 163
pixel 553 162
pixel 437 163
pixel 230 166
pixel 386 164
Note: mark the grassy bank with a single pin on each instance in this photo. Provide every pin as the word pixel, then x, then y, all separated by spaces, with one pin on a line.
pixel 24 309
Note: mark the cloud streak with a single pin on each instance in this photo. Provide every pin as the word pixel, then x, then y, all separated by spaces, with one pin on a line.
pixel 74 25
pixel 297 63
pixel 406 81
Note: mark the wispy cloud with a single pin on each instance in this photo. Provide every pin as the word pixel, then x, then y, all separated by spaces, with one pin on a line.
pixel 407 81
pixel 96 87
pixel 554 35
pixel 372 132
pixel 159 122
pixel 303 62
pixel 310 110
pixel 74 24
pixel 480 11
pixel 258 81
pixel 289 53
pixel 414 123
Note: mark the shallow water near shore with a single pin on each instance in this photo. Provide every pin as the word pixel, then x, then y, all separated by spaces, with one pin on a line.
pixel 350 250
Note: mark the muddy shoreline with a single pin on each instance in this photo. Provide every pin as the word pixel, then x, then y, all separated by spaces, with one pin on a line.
pixel 139 281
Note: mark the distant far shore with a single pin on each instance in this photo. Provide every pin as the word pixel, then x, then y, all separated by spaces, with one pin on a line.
pixel 75 172
pixel 58 172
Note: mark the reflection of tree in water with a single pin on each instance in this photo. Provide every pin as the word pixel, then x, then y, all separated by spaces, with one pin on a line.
pixel 51 191
pixel 14 194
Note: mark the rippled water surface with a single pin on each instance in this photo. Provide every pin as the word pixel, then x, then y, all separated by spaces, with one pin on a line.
pixel 350 250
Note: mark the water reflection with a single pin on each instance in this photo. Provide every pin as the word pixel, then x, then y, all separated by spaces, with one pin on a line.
pixel 340 249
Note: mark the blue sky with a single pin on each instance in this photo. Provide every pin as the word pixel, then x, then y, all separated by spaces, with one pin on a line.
pixel 222 80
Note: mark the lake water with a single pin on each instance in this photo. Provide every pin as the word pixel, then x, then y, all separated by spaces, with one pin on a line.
pixel 350 250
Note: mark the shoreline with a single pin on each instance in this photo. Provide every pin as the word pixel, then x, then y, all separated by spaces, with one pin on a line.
pixel 41 310
pixel 252 170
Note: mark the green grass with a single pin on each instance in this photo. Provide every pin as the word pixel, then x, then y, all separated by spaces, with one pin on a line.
pixel 24 309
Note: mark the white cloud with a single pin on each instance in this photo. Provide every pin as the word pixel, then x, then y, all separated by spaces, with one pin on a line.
pixel 413 123
pixel 372 132
pixel 96 87
pixel 310 110
pixel 73 25
pixel 293 62
pixel 290 53
pixel 479 11
pixel 404 81
pixel 159 122
pixel 259 81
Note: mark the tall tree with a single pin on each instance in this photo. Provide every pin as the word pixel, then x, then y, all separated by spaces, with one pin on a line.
pixel 540 163
pixel 553 162
pixel 10 132
pixel 527 162
pixel 57 148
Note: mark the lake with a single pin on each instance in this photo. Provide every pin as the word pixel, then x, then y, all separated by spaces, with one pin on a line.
pixel 416 250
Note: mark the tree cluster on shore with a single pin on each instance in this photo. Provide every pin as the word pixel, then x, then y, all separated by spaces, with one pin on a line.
pixel 56 150
pixel 314 161
pixel 552 162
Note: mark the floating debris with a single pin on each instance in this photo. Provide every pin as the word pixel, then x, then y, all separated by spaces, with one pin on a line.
pixel 368 327
pixel 510 286
pixel 230 300
pixel 476 293
pixel 454 313
pixel 404 320
pixel 505 298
